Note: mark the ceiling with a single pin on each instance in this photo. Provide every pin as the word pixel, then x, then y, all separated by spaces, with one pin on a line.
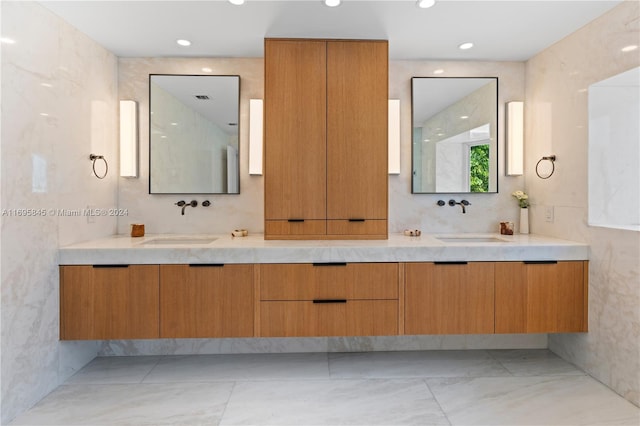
pixel 505 30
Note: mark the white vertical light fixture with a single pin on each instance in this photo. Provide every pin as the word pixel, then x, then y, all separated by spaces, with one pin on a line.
pixel 394 136
pixel 255 136
pixel 514 117
pixel 128 139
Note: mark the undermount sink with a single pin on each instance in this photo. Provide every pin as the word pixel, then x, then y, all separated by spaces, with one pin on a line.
pixel 179 241
pixel 471 240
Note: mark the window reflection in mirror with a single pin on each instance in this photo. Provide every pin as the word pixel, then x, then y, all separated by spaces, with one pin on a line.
pixel 194 134
pixel 454 147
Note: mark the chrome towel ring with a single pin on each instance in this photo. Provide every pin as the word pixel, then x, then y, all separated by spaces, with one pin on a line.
pixel 552 159
pixel 94 158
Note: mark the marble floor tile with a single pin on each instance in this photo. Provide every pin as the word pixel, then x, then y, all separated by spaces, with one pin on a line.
pixel 550 400
pixel 132 404
pixel 203 368
pixel 534 362
pixel 333 402
pixel 414 364
pixel 117 369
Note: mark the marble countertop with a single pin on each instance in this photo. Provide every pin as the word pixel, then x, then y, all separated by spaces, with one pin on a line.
pixel 167 249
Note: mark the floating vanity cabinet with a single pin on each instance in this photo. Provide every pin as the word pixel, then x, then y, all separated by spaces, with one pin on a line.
pixel 326 112
pixel 104 302
pixel 541 297
pixel 328 299
pixel 198 301
pixel 449 298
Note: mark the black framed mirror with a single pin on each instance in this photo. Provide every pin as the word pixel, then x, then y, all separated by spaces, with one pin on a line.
pixel 194 139
pixel 454 135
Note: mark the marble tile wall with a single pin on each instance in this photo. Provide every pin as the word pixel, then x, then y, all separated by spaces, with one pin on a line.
pixel 59 104
pixel 556 116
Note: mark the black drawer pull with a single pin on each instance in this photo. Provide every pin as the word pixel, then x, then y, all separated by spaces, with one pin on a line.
pixel 295 220
pixel 110 266
pixel 540 262
pixel 356 220
pixel 205 265
pixel 329 300
pixel 451 263
pixel 330 264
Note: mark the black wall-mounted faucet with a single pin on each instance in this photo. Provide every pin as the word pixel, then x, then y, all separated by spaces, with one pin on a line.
pixel 184 205
pixel 462 204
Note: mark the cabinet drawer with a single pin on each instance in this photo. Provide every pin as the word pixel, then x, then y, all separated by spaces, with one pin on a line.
pixel 373 227
pixel 282 228
pixel 345 318
pixel 329 281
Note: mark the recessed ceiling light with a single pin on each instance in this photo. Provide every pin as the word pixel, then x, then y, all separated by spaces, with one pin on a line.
pixel 332 3
pixel 46 84
pixel 7 40
pixel 464 117
pixel 425 4
pixel 206 69
pixel 44 114
pixel 183 42
pixel 465 46
pixel 438 71
pixel 174 124
pixel 629 48
pixel 236 2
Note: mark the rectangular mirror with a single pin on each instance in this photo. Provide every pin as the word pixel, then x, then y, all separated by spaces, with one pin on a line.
pixel 454 135
pixel 193 134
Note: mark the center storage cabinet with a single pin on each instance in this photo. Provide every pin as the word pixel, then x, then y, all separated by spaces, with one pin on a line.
pixel 326 129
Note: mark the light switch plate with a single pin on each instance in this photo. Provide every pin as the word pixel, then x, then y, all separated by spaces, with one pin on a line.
pixel 548 213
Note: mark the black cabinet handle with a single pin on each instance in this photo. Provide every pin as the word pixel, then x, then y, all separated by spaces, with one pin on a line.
pixel 295 220
pixel 356 220
pixel 540 262
pixel 329 300
pixel 204 265
pixel 451 263
pixel 330 264
pixel 110 266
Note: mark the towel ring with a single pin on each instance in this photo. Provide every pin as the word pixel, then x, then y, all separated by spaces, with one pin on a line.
pixel 552 159
pixel 94 158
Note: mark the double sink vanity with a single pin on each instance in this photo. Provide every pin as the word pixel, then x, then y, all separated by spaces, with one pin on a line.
pixel 326 264
pixel 177 286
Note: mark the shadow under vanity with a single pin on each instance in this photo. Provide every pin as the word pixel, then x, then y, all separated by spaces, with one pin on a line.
pixel 365 282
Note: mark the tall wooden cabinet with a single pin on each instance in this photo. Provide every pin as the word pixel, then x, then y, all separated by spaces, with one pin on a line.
pixel 326 112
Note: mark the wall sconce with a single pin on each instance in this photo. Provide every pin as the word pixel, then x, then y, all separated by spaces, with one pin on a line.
pixel 514 117
pixel 394 136
pixel 129 139
pixel 255 136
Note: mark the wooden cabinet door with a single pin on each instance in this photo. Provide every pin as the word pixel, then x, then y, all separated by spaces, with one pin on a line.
pixel 206 301
pixel 541 297
pixel 449 298
pixel 295 130
pixel 357 116
pixel 104 302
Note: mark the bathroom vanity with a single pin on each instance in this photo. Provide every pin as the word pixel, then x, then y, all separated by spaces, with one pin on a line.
pixel 219 286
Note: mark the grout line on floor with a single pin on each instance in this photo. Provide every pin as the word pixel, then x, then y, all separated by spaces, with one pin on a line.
pixel 226 404
pixel 444 413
